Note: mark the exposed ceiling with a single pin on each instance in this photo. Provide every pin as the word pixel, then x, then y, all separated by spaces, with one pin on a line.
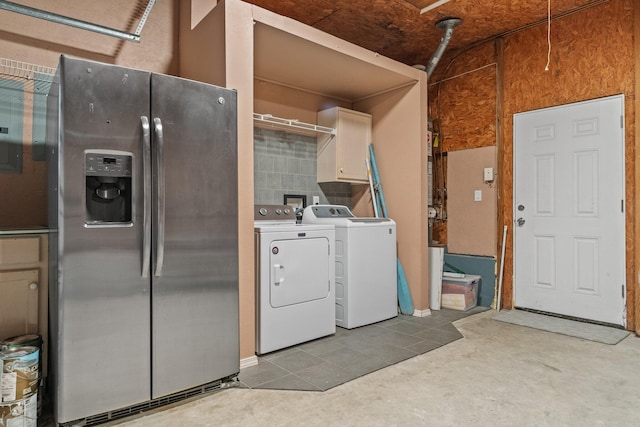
pixel 397 29
pixel 394 28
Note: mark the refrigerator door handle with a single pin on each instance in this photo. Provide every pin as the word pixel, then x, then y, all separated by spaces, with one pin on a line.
pixel 146 170
pixel 160 198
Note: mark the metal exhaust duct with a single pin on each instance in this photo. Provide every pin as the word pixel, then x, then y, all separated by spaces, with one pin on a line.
pixel 447 24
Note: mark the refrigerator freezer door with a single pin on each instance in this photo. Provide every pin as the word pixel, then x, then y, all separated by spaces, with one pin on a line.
pixel 195 292
pixel 101 300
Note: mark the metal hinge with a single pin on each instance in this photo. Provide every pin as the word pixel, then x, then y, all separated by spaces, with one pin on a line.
pixel 623 291
pixel 621 205
pixel 621 122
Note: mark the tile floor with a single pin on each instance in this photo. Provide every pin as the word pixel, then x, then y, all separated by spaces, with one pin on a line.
pixel 330 361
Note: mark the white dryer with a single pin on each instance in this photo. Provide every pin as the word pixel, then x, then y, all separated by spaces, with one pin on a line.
pixel 366 265
pixel 295 289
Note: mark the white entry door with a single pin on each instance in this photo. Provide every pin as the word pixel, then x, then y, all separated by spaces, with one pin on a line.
pixel 569 228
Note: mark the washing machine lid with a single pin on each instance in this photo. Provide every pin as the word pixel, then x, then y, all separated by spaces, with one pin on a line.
pixel 340 216
pixel 327 212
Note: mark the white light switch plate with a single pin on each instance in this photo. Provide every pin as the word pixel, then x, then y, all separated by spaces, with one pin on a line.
pixel 316 200
pixel 488 174
pixel 477 196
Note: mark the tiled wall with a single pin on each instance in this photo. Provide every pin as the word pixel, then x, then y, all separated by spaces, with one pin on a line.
pixel 285 163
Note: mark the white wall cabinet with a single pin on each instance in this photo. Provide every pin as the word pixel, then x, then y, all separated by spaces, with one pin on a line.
pixel 341 157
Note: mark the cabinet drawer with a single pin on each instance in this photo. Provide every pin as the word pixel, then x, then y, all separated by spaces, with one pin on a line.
pixel 19 250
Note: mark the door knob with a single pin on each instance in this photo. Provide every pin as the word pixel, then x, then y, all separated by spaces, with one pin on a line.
pixel 520 208
pixel 520 222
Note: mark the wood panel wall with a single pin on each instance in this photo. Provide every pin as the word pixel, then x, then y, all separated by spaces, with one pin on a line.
pixel 592 56
pixel 636 101
pixel 462 104
pixel 462 100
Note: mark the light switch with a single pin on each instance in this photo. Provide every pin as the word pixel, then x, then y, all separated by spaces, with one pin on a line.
pixel 488 174
pixel 477 196
pixel 316 200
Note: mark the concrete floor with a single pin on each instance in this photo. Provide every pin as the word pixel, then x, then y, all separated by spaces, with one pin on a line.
pixel 498 374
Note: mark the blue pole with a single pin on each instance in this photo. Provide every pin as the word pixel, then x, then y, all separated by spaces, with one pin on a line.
pixel 382 207
pixel 404 296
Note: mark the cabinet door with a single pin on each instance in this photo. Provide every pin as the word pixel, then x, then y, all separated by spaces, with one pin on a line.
pixel 354 134
pixel 18 303
pixel 341 157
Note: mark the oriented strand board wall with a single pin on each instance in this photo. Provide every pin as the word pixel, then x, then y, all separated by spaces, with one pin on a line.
pixel 462 96
pixel 591 57
pixel 462 104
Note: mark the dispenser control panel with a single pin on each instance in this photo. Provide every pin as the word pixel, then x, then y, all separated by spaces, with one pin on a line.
pixel 103 164
pixel 108 188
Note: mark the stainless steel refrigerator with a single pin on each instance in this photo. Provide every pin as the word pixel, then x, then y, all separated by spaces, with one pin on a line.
pixel 144 249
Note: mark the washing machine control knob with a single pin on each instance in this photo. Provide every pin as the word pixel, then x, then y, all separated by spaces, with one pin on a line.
pixel 263 211
pixel 287 211
pixel 278 211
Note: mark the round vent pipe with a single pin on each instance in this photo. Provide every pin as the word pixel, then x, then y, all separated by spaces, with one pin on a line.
pixel 447 24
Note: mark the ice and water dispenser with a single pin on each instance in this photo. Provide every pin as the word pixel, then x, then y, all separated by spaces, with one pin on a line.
pixel 108 187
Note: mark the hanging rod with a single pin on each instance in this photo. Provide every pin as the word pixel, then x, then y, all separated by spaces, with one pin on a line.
pixel 77 23
pixel 292 123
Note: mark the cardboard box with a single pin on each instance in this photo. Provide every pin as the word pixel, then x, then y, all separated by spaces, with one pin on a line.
pixel 460 293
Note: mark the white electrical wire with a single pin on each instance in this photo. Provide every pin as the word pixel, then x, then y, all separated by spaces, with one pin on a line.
pixel 548 35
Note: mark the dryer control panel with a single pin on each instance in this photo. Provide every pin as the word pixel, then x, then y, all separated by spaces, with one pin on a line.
pixel 273 213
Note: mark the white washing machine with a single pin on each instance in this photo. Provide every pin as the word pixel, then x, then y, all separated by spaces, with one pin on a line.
pixel 295 279
pixel 366 265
